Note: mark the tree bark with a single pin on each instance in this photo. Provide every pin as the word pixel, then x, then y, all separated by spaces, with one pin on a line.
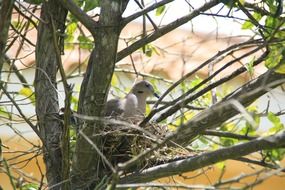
pixel 6 8
pixel 47 105
pixel 87 166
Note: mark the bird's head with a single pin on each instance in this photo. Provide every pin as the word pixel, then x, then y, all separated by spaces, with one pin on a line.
pixel 144 88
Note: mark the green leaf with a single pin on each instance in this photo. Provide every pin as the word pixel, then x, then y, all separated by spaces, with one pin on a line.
pixel 160 10
pixel 30 186
pixel 274 155
pixel 27 92
pixel 229 127
pixel 90 5
pixel 4 113
pixel 227 141
pixel 220 165
pixel 85 42
pixel 274 57
pixel 149 50
pixel 248 24
pixel 70 29
pixel 74 101
pixel 277 124
pixel 35 2
pixel 273 118
pixel 230 3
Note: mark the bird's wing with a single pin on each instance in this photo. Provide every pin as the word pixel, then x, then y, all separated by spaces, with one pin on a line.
pixel 114 107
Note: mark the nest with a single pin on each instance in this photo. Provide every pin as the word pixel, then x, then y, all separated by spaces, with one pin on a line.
pixel 124 140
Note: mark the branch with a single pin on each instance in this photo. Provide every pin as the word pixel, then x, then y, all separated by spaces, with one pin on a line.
pixel 144 11
pixel 206 159
pixel 164 30
pixel 260 163
pixel 87 21
pixel 183 102
pixel 257 9
pixel 20 111
pixel 148 17
pixel 224 110
pixel 21 77
pixel 215 59
pixel 65 139
pixel 228 135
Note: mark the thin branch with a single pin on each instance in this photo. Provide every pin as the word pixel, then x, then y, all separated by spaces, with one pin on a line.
pixel 224 110
pixel 7 167
pixel 261 179
pixel 34 15
pixel 67 113
pixel 20 111
pixel 257 162
pixel 98 151
pixel 22 36
pixel 164 30
pixel 148 17
pixel 21 77
pixel 257 9
pixel 24 15
pixel 228 135
pixel 144 11
pixel 238 178
pixel 183 102
pixel 218 57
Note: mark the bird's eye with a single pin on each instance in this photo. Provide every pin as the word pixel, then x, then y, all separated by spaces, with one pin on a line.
pixel 147 85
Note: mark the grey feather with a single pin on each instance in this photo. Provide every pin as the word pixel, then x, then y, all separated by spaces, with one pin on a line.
pixel 134 104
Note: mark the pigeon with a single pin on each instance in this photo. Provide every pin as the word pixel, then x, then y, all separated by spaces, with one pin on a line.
pixel 133 104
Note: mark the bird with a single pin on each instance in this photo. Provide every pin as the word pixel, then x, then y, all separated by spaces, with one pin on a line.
pixel 133 104
pixel 131 108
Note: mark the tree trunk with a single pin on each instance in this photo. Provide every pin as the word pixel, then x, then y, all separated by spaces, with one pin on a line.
pixel 6 8
pixel 47 105
pixel 87 166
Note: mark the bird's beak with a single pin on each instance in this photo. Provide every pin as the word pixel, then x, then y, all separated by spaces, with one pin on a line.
pixel 156 95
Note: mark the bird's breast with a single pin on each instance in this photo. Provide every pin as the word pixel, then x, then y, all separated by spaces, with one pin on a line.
pixel 130 105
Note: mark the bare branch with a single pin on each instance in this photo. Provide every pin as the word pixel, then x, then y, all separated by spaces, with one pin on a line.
pixel 186 100
pixel 144 11
pixel 20 111
pixel 258 162
pixel 228 135
pixel 164 30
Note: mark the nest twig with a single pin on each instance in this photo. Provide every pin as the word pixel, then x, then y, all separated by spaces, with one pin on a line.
pixel 124 140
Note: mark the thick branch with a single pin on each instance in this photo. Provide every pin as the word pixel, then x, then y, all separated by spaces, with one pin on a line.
pixel 217 114
pixel 206 159
pixel 221 112
pixel 164 30
pixel 87 21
